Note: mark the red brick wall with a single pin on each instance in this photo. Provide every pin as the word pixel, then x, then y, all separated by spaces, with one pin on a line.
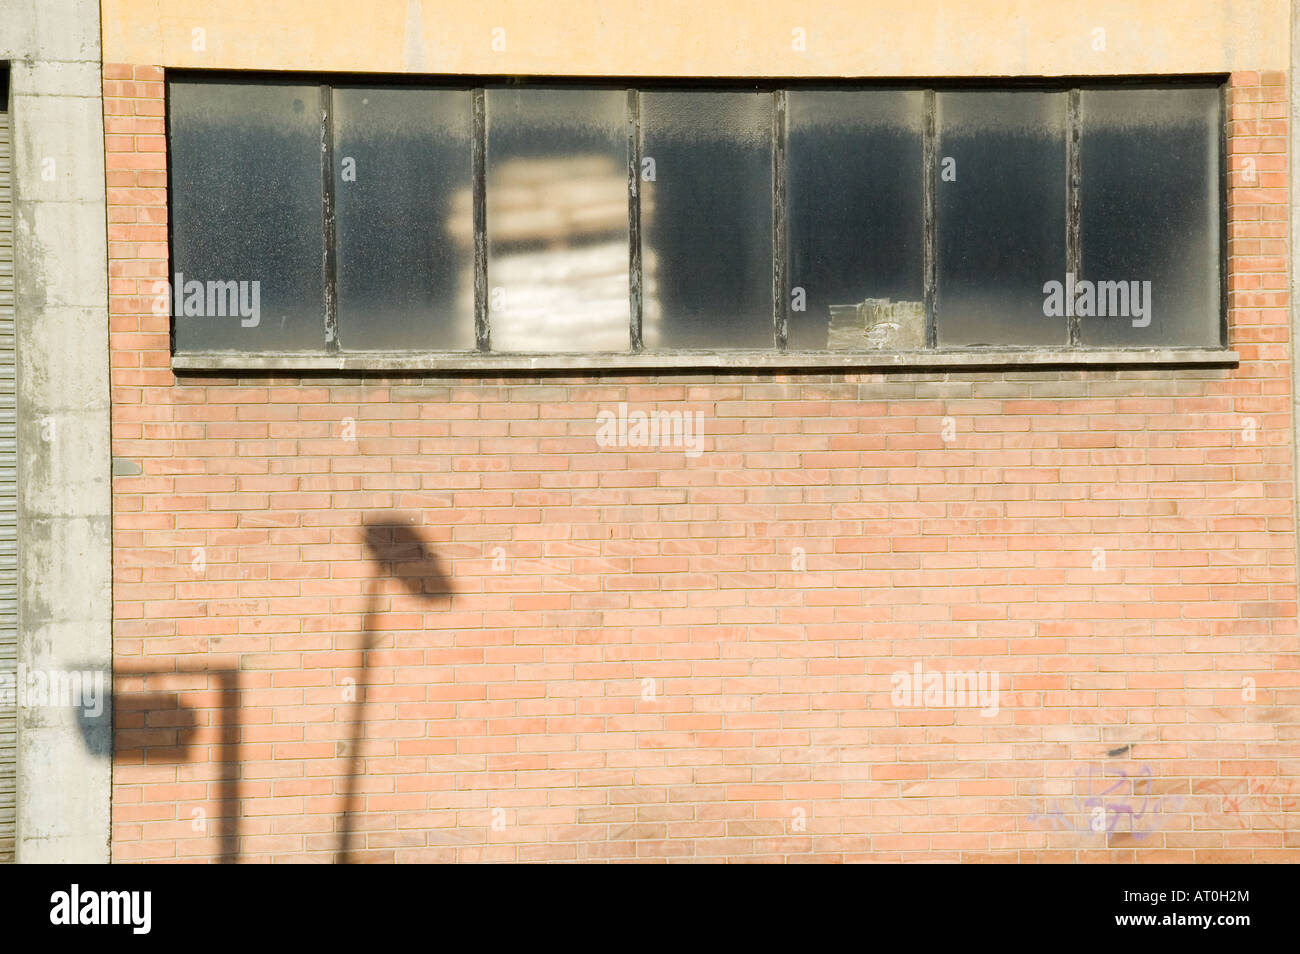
pixel 581 577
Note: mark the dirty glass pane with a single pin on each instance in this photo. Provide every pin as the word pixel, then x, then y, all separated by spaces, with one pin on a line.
pixel 403 181
pixel 854 188
pixel 1150 217
pixel 557 219
pixel 706 219
pixel 247 235
pixel 1000 205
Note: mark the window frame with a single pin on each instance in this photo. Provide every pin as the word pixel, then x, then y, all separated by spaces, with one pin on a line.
pixel 333 357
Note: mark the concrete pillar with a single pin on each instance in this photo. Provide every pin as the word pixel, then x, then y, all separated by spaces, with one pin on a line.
pixel 64 515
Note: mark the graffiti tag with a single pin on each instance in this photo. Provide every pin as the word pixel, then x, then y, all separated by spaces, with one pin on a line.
pixel 1108 799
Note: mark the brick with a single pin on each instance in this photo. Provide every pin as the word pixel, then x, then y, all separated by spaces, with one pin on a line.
pixel 620 654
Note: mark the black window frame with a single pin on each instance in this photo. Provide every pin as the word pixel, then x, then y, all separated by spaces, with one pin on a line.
pixel 334 338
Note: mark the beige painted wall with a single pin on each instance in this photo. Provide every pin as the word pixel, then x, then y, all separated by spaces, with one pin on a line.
pixel 704 37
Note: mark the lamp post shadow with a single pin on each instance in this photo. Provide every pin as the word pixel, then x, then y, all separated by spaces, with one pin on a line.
pixel 400 553
pixel 158 726
pixel 149 720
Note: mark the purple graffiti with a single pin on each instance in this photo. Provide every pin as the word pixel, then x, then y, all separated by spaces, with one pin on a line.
pixel 1098 809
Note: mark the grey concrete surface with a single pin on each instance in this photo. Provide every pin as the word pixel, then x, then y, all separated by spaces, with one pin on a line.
pixel 64 505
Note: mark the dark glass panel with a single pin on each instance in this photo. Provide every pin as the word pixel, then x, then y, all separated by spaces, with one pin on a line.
pixel 1000 206
pixel 1150 217
pixel 245 168
pixel 854 187
pixel 706 219
pixel 403 175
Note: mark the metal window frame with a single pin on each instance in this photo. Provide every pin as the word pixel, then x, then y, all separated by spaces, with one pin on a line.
pixel 635 355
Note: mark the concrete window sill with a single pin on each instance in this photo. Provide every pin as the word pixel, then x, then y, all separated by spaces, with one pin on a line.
pixel 968 358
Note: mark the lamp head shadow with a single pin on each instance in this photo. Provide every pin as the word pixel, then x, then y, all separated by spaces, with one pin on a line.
pixel 92 708
pixel 396 545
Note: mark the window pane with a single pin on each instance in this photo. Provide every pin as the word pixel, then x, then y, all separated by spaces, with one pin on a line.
pixel 854 187
pixel 1000 208
pixel 246 208
pixel 557 222
pixel 1150 214
pixel 403 174
pixel 706 219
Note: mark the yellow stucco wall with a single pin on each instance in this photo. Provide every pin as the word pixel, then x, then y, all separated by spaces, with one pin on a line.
pixel 704 37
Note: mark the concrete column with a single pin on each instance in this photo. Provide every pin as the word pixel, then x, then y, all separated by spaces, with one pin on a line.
pixel 64 515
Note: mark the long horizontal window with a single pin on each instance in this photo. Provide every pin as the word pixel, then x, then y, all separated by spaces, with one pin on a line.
pixel 588 219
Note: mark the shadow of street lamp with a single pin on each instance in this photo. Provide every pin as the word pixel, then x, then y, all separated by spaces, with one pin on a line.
pixel 400 553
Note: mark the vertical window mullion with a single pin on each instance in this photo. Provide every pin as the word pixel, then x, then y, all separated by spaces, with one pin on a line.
pixel 482 329
pixel 779 219
pixel 634 217
pixel 930 245
pixel 329 253
pixel 1073 245
pixel 1224 112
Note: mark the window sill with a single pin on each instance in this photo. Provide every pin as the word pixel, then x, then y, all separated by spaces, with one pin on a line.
pixel 966 358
